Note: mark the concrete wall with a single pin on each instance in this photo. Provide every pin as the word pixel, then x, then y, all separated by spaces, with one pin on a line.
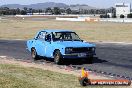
pixel 126 20
pixel 70 19
pixel 88 19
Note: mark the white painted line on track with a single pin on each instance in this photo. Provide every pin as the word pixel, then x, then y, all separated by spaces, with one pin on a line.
pixel 121 43
pixel 3 56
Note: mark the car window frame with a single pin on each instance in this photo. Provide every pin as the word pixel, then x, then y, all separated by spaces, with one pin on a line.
pixel 39 35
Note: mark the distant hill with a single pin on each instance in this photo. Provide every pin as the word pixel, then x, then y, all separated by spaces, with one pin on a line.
pixel 78 6
pixel 12 6
pixel 37 6
pixel 49 4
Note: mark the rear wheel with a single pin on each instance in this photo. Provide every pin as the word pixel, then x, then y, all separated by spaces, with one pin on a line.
pixel 90 60
pixel 57 57
pixel 34 54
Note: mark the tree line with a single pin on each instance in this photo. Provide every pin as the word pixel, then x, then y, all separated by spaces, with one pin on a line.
pixel 55 10
pixel 60 11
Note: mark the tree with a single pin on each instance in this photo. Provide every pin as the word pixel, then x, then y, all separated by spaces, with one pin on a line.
pixel 68 11
pixel 4 11
pixel 23 12
pixel 25 8
pixel 129 15
pixel 113 16
pixel 48 10
pixel 31 10
pixel 104 16
pixel 18 11
pixel 40 11
pixel 6 8
pixel 122 16
pixel 13 12
pixel 113 10
pixel 57 11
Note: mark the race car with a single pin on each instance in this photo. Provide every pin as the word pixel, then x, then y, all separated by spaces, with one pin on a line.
pixel 60 45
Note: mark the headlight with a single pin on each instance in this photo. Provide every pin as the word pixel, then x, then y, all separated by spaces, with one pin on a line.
pixel 92 49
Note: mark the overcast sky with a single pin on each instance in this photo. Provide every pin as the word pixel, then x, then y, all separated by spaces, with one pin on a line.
pixel 95 3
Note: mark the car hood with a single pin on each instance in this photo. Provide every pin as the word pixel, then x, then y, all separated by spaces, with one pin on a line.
pixel 75 44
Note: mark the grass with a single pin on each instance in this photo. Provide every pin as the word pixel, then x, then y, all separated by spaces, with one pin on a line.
pixel 100 31
pixel 14 76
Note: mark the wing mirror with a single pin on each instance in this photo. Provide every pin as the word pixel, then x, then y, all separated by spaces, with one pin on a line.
pixel 35 38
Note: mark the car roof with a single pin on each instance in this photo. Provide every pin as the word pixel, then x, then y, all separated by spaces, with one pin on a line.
pixel 56 30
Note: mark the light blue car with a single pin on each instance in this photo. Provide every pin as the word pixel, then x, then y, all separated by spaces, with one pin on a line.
pixel 60 45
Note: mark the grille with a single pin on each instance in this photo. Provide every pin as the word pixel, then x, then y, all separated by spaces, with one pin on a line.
pixel 79 50
pixel 82 49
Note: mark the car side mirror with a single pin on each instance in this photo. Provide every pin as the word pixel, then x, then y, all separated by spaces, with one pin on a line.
pixel 82 40
pixel 35 38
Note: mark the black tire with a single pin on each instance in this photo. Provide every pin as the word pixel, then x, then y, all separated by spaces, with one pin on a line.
pixel 57 57
pixel 84 81
pixel 89 60
pixel 34 54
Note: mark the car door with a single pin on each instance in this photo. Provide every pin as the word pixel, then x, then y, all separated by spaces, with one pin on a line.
pixel 48 45
pixel 40 44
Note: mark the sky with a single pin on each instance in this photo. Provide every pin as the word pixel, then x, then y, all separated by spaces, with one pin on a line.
pixel 94 3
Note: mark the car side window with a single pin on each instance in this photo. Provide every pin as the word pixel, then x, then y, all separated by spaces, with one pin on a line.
pixel 41 35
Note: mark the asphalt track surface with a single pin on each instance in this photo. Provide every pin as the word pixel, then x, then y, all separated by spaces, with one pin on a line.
pixel 110 58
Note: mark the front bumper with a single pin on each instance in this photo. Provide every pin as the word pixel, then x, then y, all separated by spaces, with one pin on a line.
pixel 78 55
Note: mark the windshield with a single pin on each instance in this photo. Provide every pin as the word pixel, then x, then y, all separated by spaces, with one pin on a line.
pixel 65 36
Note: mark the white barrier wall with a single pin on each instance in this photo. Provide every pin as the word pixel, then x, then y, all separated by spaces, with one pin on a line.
pixel 47 15
pixel 84 18
pixel 70 19
pixel 88 19
pixel 126 20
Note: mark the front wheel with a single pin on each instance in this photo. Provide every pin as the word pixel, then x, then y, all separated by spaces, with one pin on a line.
pixel 57 57
pixel 89 60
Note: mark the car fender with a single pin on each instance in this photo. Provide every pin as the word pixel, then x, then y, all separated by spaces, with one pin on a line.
pixel 30 44
pixel 59 47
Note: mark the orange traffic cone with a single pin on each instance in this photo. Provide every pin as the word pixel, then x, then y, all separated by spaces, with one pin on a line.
pixel 84 78
pixel 84 73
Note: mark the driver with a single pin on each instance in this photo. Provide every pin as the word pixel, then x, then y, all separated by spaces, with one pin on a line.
pixel 65 36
